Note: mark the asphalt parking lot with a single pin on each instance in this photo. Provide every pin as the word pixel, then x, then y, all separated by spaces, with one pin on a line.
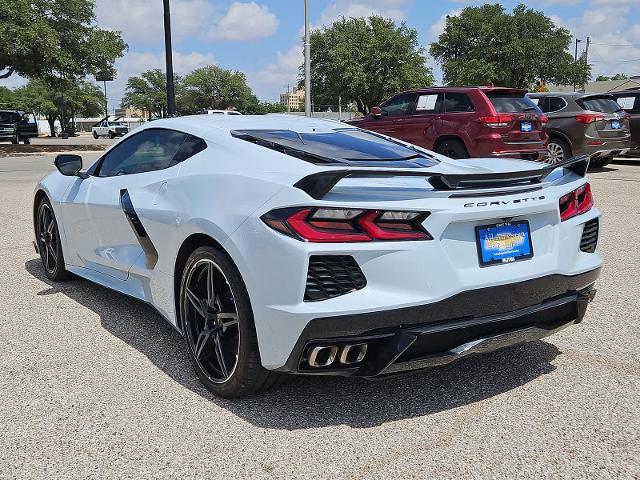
pixel 96 385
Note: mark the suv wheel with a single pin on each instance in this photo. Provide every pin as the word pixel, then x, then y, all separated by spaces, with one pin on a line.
pixel 452 149
pixel 111 135
pixel 95 135
pixel 557 150
pixel 15 139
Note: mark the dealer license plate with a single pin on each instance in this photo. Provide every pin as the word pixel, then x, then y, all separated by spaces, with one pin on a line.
pixel 526 127
pixel 615 124
pixel 504 243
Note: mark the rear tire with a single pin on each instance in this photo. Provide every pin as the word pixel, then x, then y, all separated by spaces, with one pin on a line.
pixel 452 149
pixel 49 245
pixel 557 150
pixel 217 320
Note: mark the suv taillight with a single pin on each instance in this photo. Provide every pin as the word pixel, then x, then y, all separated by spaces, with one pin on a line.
pixel 342 225
pixel 544 119
pixel 588 117
pixel 576 203
pixel 494 121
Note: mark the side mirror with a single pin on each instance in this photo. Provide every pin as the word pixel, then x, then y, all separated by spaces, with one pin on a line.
pixel 68 165
pixel 376 112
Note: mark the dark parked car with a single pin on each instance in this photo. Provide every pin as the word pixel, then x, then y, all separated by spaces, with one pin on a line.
pixel 462 122
pixel 579 123
pixel 17 126
pixel 629 100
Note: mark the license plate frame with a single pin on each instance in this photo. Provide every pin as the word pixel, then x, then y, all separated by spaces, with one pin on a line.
pixel 526 126
pixel 521 250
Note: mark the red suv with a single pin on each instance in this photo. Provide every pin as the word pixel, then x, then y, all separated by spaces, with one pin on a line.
pixel 462 122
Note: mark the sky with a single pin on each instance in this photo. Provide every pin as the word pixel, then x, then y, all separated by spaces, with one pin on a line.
pixel 262 38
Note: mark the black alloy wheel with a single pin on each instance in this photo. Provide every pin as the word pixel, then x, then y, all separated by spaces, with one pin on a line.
pixel 49 245
pixel 218 326
pixel 452 149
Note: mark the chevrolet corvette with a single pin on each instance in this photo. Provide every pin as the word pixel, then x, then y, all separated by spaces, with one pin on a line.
pixel 289 245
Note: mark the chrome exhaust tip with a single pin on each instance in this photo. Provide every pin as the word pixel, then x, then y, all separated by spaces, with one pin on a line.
pixel 352 354
pixel 322 356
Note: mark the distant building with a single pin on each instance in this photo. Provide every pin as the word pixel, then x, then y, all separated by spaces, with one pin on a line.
pixel 601 87
pixel 130 112
pixel 294 100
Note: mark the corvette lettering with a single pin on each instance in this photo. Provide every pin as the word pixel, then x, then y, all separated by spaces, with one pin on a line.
pixel 498 203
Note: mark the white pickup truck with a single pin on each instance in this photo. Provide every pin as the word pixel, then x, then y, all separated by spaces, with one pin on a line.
pixel 110 129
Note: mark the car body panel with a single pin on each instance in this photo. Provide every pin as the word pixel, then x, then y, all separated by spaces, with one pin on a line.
pixel 630 102
pixel 223 191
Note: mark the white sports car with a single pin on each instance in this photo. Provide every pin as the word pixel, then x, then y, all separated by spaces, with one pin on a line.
pixel 285 244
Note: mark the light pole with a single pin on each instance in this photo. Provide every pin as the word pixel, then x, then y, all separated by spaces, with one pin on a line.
pixel 171 94
pixel 307 61
pixel 575 58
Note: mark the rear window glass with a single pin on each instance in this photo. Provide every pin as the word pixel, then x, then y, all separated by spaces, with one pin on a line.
pixel 599 104
pixel 512 103
pixel 339 145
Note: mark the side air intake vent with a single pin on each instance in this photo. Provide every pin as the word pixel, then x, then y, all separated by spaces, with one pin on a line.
pixel 589 239
pixel 331 276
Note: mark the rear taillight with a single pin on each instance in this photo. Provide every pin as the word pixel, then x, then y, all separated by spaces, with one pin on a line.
pixel 544 119
pixel 576 203
pixel 495 121
pixel 588 117
pixel 338 225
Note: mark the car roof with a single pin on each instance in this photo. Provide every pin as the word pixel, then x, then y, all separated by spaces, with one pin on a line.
pixel 569 94
pixel 484 88
pixel 10 110
pixel 209 126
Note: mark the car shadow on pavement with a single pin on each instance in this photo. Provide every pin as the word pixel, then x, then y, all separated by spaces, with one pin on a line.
pixel 312 402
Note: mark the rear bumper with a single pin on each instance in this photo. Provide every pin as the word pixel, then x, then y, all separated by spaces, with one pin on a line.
pixel 471 322
pixel 607 149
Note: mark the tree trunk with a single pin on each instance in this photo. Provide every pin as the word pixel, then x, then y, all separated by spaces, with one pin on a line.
pixel 52 125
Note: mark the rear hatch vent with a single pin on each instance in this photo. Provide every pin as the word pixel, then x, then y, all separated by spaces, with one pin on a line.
pixel 331 276
pixel 589 240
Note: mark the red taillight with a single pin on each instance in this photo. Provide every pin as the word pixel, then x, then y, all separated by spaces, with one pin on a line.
pixel 336 225
pixel 576 203
pixel 494 121
pixel 544 119
pixel 588 117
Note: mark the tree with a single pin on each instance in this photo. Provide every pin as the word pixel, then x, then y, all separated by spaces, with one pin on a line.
pixel 262 108
pixel 365 60
pixel 487 44
pixel 81 99
pixel 619 76
pixel 54 38
pixel 148 92
pixel 602 78
pixel 212 87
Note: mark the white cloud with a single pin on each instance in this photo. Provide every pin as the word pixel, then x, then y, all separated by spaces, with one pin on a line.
pixel 274 77
pixel 245 21
pixel 437 28
pixel 14 81
pixel 141 21
pixel 393 9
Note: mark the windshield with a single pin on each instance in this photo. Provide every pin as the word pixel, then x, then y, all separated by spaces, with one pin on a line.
pixel 8 117
pixel 348 145
pixel 512 103
pixel 600 104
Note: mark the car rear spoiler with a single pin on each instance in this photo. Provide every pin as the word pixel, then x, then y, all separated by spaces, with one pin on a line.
pixel 318 185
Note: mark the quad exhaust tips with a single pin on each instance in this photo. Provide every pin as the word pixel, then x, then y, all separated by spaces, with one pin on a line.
pixel 320 356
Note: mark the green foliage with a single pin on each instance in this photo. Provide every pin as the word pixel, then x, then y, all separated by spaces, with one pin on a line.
pixel 262 108
pixel 602 78
pixel 148 92
pixel 54 39
pixel 365 60
pixel 215 88
pixel 617 76
pixel 487 44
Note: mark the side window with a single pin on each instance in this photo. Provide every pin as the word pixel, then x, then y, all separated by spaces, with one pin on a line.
pixel 630 103
pixel 555 104
pixel 401 105
pixel 149 150
pixel 457 102
pixel 430 103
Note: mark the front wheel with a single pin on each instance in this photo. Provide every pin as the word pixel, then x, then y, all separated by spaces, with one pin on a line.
pixel 218 326
pixel 111 135
pixel 49 245
pixel 95 135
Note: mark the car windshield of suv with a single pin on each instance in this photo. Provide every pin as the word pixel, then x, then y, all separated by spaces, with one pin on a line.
pixel 8 117
pixel 512 102
pixel 600 104
pixel 347 145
